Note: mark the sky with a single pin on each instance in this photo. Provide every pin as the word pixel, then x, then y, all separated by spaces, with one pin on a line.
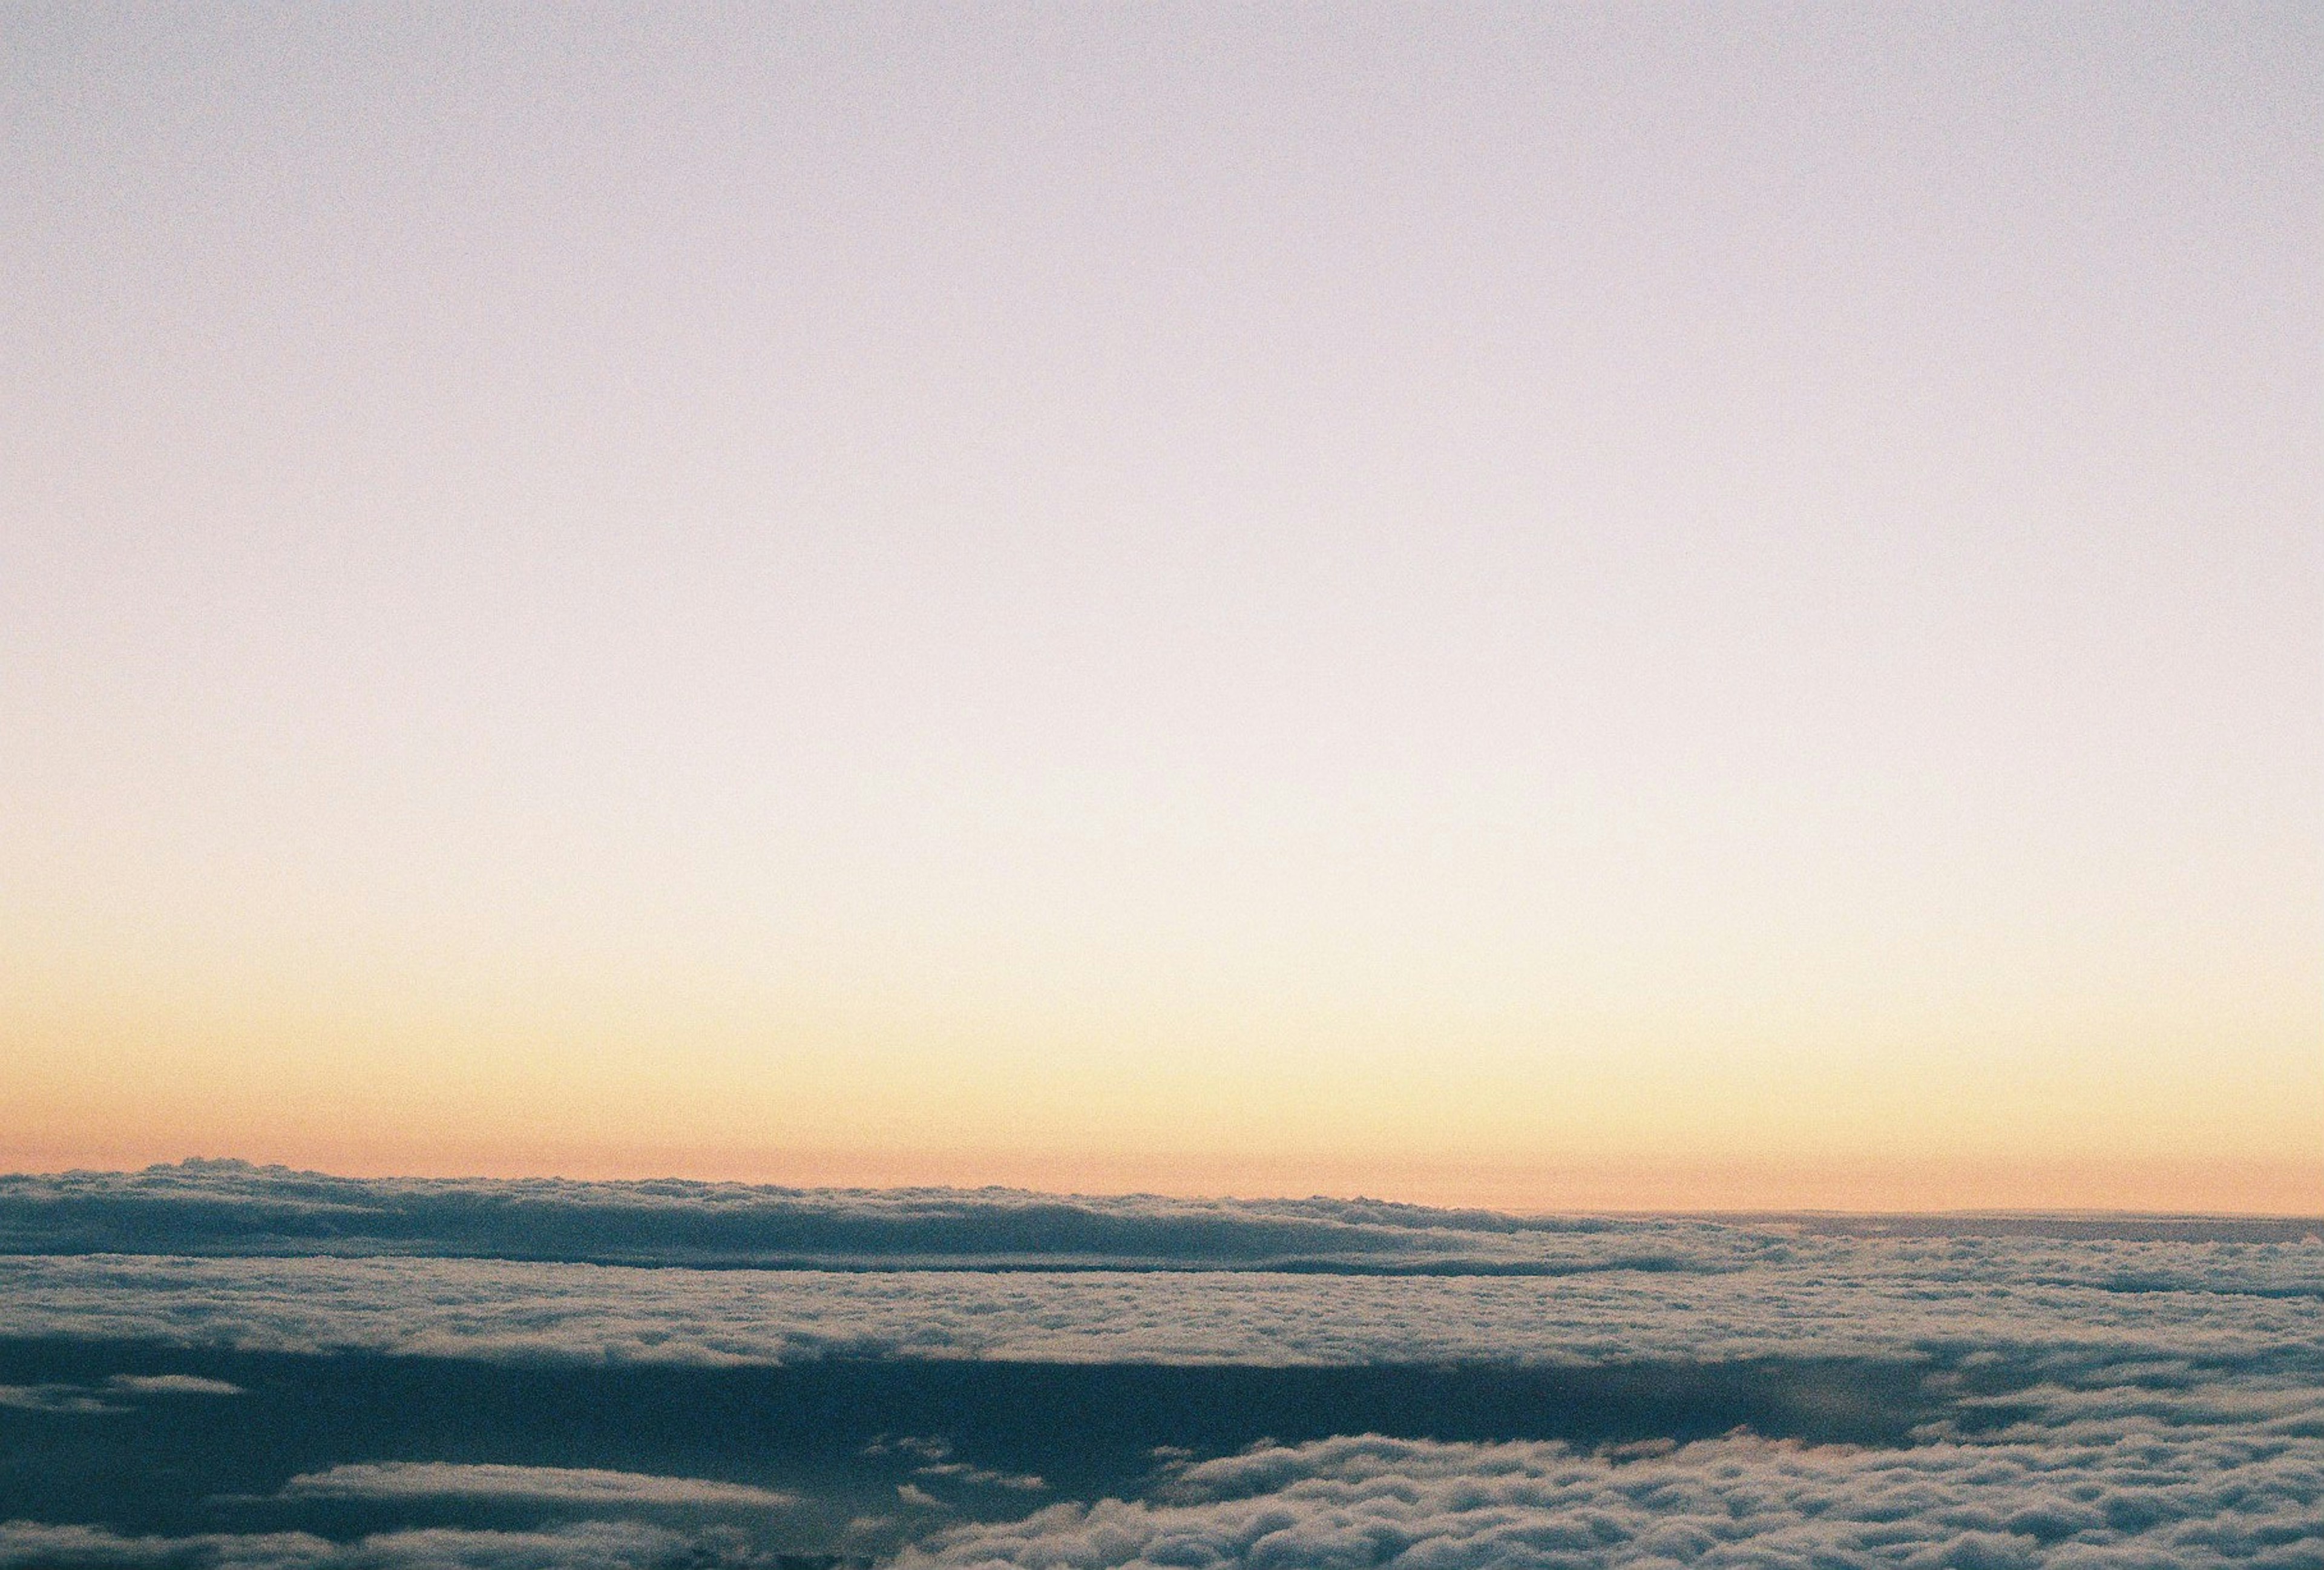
pixel 1573 606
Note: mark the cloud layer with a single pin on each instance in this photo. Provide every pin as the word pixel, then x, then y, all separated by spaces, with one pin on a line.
pixel 231 1208
pixel 1832 1296
pixel 2074 1393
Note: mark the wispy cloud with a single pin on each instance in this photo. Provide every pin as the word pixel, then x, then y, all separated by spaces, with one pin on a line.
pixel 937 1461
pixel 112 1395
pixel 57 1398
pixel 566 1485
pixel 171 1385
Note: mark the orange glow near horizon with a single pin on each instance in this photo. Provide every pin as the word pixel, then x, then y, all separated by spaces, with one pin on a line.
pixel 1678 1106
pixel 1547 606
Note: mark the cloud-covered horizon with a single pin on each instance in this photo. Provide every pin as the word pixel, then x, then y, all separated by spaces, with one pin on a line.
pixel 232 1208
pixel 226 1208
pixel 1638 1391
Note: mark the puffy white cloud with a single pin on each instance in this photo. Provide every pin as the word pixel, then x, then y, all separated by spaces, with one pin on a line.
pixel 2145 1495
pixel 567 1485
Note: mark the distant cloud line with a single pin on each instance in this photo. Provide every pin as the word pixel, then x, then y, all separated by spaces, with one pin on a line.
pixel 231 1208
pixel 234 1209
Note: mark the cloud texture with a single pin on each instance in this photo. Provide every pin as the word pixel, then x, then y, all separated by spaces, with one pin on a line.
pixel 1800 1294
pixel 2121 1494
pixel 2084 1392
pixel 231 1208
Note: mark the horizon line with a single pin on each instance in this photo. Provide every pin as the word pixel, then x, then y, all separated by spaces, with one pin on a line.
pixel 1739 1212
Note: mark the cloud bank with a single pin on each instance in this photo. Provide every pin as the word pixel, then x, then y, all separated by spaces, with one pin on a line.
pixel 1826 1296
pixel 231 1208
pixel 2120 1494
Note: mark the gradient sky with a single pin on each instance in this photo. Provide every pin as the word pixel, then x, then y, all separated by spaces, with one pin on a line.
pixel 1547 605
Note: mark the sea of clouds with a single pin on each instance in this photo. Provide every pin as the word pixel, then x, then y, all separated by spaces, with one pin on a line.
pixel 2039 1300
pixel 2157 1396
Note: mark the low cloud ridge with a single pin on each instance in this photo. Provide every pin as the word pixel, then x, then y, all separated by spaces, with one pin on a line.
pixel 228 1208
pixel 210 1208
